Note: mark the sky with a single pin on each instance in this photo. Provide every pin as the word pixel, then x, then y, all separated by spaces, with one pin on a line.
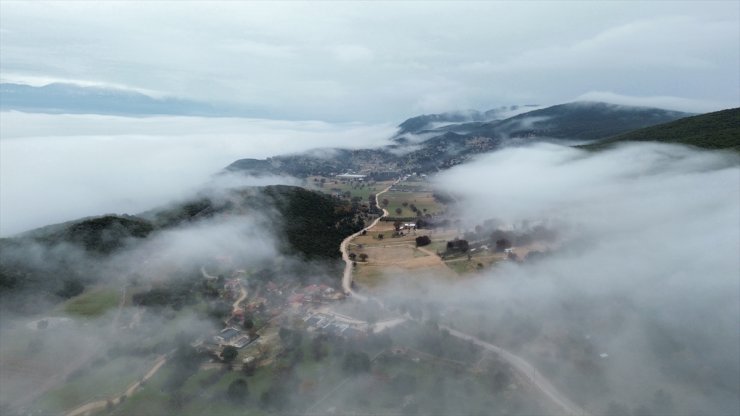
pixel 382 61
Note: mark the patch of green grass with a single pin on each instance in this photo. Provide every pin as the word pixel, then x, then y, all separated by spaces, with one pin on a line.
pixel 92 303
pixel 471 266
pixel 438 246
pixel 422 201
pixel 108 379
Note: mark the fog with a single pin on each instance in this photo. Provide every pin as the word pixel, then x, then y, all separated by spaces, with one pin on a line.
pixel 330 61
pixel 646 271
pixel 56 168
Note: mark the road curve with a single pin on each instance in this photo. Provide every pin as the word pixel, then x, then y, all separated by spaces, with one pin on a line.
pixel 98 405
pixel 527 370
pixel 347 277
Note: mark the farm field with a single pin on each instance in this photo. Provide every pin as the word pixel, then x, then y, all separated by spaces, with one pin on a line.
pixel 101 380
pixel 93 303
pixel 333 186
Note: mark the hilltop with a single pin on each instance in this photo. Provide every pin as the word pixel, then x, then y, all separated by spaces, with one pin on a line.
pixel 310 224
pixel 717 130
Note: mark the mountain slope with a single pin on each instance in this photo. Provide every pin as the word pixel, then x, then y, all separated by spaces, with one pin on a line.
pixel 451 145
pixel 58 261
pixel 717 130
pixel 425 122
pixel 579 121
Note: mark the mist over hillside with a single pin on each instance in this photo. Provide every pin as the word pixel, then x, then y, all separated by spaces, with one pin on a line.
pixel 229 208
pixel 635 310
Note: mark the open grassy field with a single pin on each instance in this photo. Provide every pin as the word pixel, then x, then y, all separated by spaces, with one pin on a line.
pixel 475 264
pixel 204 393
pixel 92 303
pixel 424 201
pixel 356 188
pixel 99 381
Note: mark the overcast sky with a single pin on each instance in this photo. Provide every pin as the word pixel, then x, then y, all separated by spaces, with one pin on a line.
pixel 383 61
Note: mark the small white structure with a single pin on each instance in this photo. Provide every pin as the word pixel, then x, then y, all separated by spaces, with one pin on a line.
pixel 351 176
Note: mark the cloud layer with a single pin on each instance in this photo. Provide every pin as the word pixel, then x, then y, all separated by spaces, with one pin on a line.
pixel 60 167
pixel 380 61
pixel 646 272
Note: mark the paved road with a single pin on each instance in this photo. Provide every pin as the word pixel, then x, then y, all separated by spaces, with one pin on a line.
pixel 347 277
pixel 527 370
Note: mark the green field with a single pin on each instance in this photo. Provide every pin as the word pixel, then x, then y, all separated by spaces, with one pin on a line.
pixel 204 393
pixel 100 381
pixel 92 303
pixel 356 189
pixel 422 200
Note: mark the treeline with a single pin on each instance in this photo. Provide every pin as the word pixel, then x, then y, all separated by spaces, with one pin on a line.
pixel 717 130
pixel 58 262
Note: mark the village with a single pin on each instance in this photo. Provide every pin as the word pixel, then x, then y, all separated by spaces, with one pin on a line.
pixel 259 310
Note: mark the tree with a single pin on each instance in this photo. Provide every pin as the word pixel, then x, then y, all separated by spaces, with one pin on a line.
pixel 352 256
pixel 363 257
pixel 458 245
pixel 319 348
pixel 248 323
pixel 229 353
pixel 237 391
pixel 249 368
pixel 423 240
pixel 384 202
pixel 399 210
pixel 502 244
pixel 356 362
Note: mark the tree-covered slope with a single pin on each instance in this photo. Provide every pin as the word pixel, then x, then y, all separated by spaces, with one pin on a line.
pixel 717 130
pixel 450 145
pixel 58 261
pixel 579 121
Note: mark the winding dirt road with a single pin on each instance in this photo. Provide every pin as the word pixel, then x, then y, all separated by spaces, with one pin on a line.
pixel 526 369
pixel 347 277
pixel 95 406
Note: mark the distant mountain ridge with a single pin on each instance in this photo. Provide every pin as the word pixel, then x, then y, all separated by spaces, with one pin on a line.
pixel 447 146
pixel 62 98
pixel 423 122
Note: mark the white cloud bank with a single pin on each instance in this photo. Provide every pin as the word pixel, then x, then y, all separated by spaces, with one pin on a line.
pixel 649 272
pixel 379 60
pixel 60 167
pixel 666 102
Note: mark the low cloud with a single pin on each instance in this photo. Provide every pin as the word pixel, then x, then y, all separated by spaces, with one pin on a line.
pixel 60 167
pixel 636 307
pixel 671 103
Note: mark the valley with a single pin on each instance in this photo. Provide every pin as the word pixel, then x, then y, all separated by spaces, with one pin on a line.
pixel 275 323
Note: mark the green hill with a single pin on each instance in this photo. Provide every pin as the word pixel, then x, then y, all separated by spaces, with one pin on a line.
pixel 59 261
pixel 718 130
